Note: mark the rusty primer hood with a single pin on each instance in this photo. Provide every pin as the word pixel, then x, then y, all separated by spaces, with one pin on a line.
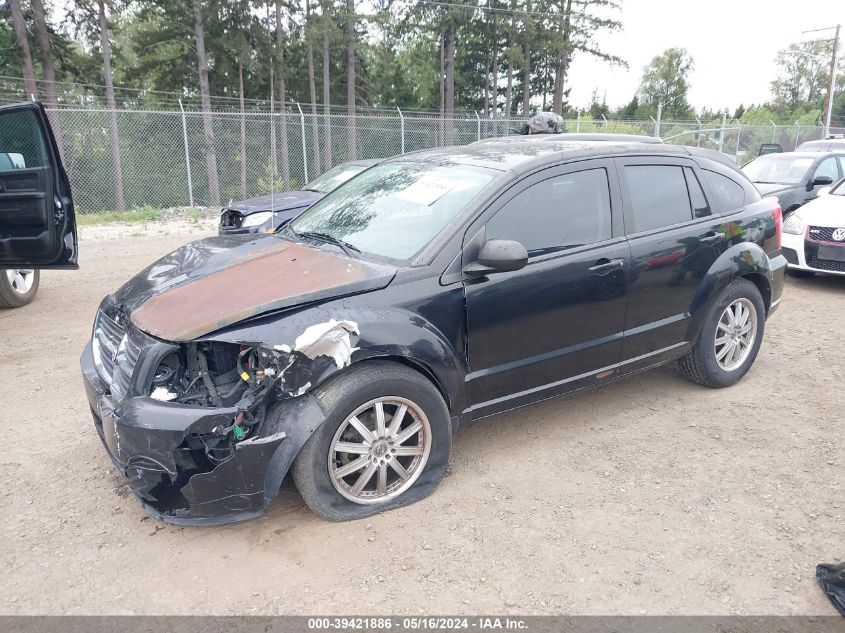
pixel 213 283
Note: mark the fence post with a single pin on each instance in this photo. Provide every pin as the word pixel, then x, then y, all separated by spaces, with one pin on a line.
pixel 797 134
pixel 187 156
pixel 659 118
pixel 578 121
pixel 304 152
pixel 478 125
pixel 722 131
pixel 605 122
pixel 738 134
pixel 655 124
pixel 401 127
pixel 774 130
pixel 698 136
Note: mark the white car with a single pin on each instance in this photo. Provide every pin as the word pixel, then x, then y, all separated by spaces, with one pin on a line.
pixel 814 235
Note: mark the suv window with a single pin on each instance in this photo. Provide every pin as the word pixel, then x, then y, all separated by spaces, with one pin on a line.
pixel 21 143
pixel 562 212
pixel 827 168
pixel 700 208
pixel 729 194
pixel 658 196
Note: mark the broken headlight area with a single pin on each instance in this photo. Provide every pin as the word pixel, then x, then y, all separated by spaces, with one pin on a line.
pixel 246 377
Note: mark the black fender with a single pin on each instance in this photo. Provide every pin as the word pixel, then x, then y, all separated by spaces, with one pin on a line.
pixel 746 259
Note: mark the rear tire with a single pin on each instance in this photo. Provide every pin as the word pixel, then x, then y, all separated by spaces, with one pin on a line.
pixel 725 349
pixel 18 287
pixel 404 465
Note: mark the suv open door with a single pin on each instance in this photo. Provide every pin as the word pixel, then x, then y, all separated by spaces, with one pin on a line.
pixel 37 223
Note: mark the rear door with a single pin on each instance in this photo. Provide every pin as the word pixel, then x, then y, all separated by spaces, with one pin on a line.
pixel 37 223
pixel 674 238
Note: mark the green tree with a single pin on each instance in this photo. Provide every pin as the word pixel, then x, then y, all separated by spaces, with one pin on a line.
pixel 666 81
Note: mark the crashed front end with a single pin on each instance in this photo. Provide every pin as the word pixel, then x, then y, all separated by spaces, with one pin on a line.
pixel 204 431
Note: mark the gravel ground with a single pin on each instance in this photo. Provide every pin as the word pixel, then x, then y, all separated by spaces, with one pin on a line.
pixel 649 495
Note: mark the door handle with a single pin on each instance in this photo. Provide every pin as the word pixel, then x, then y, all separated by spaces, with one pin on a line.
pixel 605 266
pixel 715 238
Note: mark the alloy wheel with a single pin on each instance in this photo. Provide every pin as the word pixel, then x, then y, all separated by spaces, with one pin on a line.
pixel 380 450
pixel 735 334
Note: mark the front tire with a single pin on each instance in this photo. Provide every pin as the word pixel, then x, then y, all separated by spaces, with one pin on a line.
pixel 385 443
pixel 730 338
pixel 18 287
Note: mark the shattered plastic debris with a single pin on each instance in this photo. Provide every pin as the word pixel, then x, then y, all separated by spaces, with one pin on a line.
pixel 832 581
pixel 328 339
pixel 163 394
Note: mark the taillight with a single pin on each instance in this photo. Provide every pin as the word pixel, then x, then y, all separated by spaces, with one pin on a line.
pixel 777 214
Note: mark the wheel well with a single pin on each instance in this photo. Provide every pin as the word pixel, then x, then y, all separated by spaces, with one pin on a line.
pixel 763 286
pixel 419 368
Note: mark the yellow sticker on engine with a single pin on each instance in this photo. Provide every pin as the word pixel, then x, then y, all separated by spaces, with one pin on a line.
pixel 244 376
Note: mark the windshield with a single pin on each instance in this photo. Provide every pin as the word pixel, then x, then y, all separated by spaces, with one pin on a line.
pixel 394 210
pixel 782 170
pixel 838 189
pixel 334 178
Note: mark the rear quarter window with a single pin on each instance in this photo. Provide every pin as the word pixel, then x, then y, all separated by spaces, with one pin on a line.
pixel 728 195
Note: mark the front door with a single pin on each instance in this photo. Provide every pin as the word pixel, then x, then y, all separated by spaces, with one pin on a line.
pixel 37 224
pixel 556 324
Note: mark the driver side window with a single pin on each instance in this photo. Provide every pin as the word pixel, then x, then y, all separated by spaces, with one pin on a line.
pixel 565 211
pixel 827 168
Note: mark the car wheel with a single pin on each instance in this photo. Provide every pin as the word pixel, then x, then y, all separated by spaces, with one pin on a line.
pixel 385 443
pixel 730 338
pixel 18 286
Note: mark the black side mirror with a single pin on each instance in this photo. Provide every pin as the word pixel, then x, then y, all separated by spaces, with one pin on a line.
pixel 819 181
pixel 498 256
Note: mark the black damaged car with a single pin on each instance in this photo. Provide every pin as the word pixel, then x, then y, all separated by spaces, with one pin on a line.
pixel 433 290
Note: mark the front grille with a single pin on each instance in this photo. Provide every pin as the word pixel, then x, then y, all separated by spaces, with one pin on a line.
pixel 825 264
pixel 791 255
pixel 823 234
pixel 115 354
pixel 230 219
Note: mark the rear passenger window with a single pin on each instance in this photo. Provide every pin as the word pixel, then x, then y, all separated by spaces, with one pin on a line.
pixel 562 212
pixel 700 208
pixel 658 196
pixel 729 195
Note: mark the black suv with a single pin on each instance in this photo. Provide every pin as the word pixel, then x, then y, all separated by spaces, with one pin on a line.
pixel 431 291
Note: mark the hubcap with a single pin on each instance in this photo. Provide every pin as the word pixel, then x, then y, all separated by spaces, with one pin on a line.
pixel 21 279
pixel 380 450
pixel 735 334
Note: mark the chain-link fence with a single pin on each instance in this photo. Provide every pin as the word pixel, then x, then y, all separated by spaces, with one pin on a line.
pixel 188 158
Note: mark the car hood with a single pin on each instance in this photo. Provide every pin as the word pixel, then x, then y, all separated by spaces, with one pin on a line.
pixel 824 211
pixel 767 189
pixel 283 201
pixel 218 281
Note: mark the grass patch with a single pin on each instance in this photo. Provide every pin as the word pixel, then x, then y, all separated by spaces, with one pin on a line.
pixel 144 214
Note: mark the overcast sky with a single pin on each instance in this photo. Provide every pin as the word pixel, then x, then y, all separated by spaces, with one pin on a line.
pixel 733 43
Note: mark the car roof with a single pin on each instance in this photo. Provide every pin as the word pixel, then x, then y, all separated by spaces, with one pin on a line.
pixel 802 154
pixel 822 145
pixel 571 136
pixel 526 155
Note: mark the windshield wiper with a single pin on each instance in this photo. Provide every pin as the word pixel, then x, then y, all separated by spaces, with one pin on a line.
pixel 330 239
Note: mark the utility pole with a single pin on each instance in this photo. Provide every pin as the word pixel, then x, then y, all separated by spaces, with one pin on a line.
pixel 831 80
pixel 828 112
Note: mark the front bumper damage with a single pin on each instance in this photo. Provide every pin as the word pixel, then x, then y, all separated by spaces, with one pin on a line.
pixel 154 446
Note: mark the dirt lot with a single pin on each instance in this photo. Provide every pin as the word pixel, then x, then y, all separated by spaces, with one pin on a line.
pixel 650 495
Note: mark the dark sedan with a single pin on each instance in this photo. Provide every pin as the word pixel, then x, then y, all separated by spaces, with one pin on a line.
pixel 795 177
pixel 265 214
